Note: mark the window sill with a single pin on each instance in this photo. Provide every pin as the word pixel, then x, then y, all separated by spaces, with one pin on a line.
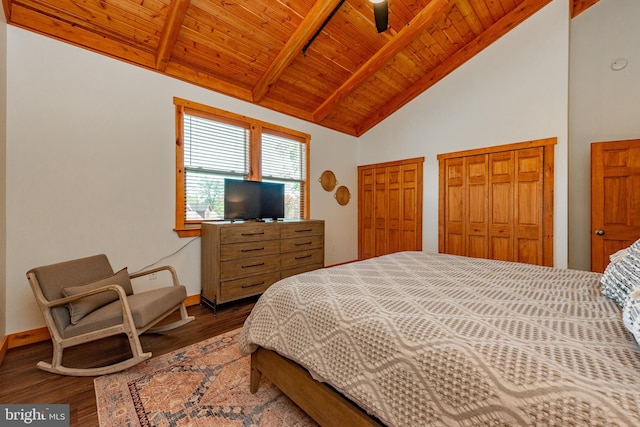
pixel 191 231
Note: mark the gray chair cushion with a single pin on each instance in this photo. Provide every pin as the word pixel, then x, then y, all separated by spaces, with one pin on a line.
pixel 80 308
pixel 145 308
pixel 52 278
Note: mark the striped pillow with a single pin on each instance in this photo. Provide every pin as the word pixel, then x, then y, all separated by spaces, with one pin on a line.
pixel 622 275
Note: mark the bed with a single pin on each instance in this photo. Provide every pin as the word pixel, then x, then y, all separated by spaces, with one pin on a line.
pixel 417 339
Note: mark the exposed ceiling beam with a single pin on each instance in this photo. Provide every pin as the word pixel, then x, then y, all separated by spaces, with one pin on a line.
pixel 500 28
pixel 405 36
pixel 307 28
pixel 175 17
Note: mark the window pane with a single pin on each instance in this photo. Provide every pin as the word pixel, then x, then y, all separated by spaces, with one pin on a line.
pixel 283 158
pixel 204 196
pixel 215 146
pixel 292 198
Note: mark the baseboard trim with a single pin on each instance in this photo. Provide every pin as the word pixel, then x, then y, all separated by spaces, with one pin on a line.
pixel 32 336
pixel 4 346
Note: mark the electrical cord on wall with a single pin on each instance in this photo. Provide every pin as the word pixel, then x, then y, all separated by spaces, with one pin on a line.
pixel 167 256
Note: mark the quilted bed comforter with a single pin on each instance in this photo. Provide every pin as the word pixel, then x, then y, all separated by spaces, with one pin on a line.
pixel 421 339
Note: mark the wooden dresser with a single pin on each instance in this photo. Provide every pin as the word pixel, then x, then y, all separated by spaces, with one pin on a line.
pixel 241 259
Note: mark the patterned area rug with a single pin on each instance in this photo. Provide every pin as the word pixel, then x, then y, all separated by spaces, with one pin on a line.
pixel 204 384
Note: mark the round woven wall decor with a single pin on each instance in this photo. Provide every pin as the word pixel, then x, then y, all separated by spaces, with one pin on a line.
pixel 328 180
pixel 342 195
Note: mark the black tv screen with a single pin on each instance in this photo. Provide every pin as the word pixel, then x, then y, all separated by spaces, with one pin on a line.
pixel 253 199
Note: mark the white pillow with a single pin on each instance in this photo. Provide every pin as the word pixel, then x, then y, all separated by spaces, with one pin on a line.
pixel 631 314
pixel 616 257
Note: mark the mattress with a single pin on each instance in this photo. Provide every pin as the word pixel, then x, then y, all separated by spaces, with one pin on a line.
pixel 418 339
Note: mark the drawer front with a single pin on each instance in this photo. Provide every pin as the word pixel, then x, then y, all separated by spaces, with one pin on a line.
pixel 251 232
pixel 301 229
pixel 249 266
pixel 300 269
pixel 249 249
pixel 296 259
pixel 240 288
pixel 302 243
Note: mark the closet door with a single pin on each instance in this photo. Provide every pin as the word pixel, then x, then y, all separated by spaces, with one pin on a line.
pixel 501 224
pixel 497 202
pixel 529 206
pixel 477 212
pixel 366 234
pixel 411 207
pixel 389 207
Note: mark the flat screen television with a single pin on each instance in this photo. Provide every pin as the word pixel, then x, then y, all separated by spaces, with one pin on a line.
pixel 248 200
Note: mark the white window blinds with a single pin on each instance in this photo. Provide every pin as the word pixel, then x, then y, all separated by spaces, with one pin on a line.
pixel 213 151
pixel 284 161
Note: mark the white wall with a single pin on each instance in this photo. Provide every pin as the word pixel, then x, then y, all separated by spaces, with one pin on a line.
pixel 605 104
pixel 91 167
pixel 515 90
pixel 3 176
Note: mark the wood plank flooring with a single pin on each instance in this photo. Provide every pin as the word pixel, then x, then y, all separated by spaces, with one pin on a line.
pixel 22 382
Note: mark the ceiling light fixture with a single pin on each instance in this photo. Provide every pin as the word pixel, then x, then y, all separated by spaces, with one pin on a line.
pixel 381 14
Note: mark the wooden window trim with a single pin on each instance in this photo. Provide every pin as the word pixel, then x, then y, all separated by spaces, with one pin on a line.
pixel 256 128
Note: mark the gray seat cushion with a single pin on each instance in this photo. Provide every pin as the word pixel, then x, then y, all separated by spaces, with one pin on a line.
pixel 145 308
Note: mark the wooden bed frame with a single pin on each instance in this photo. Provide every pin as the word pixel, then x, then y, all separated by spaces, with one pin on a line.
pixel 321 402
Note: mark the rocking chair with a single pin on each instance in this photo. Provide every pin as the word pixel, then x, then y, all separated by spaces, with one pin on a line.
pixel 83 300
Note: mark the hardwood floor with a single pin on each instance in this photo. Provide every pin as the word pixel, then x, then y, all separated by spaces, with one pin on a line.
pixel 22 382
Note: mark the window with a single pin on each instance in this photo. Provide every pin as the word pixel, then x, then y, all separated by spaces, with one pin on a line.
pixel 212 145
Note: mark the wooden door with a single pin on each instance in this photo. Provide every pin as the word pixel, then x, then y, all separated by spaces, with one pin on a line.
pixel 455 201
pixel 380 211
pixel 389 207
pixel 497 202
pixel 411 207
pixel 366 234
pixel 501 225
pixel 528 212
pixel 615 198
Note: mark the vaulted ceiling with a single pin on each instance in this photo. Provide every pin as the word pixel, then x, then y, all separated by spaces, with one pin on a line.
pixel 349 78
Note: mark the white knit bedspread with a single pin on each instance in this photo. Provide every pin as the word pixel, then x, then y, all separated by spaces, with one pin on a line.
pixel 419 339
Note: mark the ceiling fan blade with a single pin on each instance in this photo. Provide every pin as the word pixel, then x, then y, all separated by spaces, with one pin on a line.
pixel 381 13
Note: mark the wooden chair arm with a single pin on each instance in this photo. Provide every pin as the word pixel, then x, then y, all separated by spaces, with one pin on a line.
pixel 174 275
pixel 62 301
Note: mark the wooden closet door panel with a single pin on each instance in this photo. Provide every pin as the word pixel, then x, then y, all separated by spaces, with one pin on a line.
pixel 365 214
pixel 394 209
pixel 411 217
pixel 477 202
pixel 528 231
pixel 455 241
pixel 380 211
pixel 501 223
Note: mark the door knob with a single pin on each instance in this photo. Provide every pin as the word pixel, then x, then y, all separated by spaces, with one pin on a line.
pixel 600 232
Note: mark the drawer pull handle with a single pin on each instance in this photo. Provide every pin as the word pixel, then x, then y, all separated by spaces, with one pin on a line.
pixel 305 230
pixel 253 234
pixel 253 265
pixel 303 243
pixel 252 249
pixel 251 286
pixel 304 256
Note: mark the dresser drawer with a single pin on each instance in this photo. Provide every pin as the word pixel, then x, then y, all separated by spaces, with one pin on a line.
pixel 295 259
pixel 249 266
pixel 249 249
pixel 301 229
pixel 249 232
pixel 240 288
pixel 302 243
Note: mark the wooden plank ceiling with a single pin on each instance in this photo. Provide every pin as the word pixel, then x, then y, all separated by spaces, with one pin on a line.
pixel 349 79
